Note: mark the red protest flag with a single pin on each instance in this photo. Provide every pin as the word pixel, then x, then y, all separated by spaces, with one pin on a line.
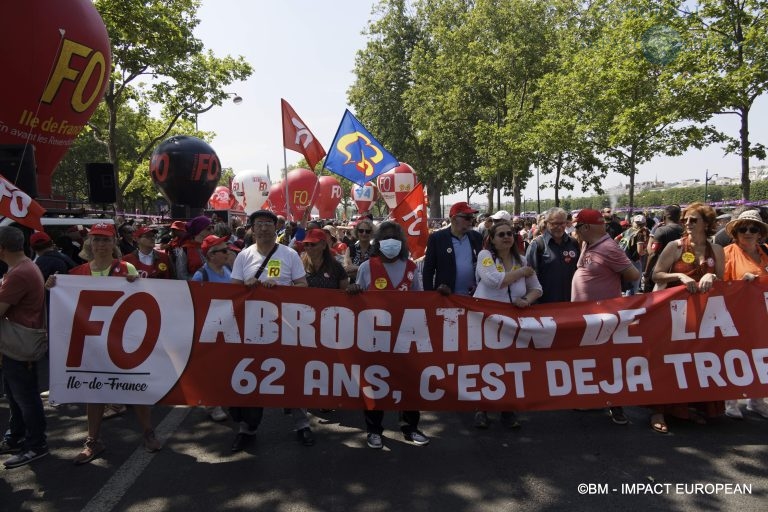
pixel 411 214
pixel 297 137
pixel 17 205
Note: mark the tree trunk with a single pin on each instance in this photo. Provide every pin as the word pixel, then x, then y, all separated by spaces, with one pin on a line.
pixel 744 135
pixel 434 193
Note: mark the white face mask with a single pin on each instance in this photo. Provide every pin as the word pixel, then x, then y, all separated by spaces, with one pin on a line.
pixel 390 247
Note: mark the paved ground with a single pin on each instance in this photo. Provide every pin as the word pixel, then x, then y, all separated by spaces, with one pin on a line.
pixel 538 467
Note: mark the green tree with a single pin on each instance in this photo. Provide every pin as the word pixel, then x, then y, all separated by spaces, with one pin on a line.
pixel 726 65
pixel 156 60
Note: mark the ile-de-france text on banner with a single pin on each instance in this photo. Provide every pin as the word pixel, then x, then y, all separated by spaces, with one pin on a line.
pixel 178 342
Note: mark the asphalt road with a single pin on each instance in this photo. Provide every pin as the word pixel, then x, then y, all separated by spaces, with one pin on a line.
pixel 538 467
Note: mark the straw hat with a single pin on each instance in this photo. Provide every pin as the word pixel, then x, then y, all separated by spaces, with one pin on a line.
pixel 748 216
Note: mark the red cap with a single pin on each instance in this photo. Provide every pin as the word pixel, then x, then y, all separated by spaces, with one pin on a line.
pixel 461 207
pixel 143 231
pixel 212 241
pixel 589 216
pixel 233 247
pixel 314 236
pixel 179 225
pixel 39 238
pixel 102 229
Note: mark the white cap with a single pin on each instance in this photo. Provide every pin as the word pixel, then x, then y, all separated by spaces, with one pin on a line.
pixel 501 215
pixel 640 219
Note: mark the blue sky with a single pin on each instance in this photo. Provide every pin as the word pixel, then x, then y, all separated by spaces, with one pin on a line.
pixel 304 51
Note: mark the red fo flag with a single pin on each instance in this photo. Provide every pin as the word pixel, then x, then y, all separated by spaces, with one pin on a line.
pixel 297 137
pixel 411 214
pixel 17 205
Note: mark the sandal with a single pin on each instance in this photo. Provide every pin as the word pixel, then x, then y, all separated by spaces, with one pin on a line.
pixel 658 424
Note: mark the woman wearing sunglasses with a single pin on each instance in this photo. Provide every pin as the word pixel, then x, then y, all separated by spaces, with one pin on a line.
pixel 695 263
pixel 502 274
pixel 746 259
pixel 361 250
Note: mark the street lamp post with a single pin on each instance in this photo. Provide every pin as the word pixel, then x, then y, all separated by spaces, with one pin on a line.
pixel 236 99
pixel 707 179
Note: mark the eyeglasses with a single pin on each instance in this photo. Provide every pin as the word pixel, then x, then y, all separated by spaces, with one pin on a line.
pixel 690 220
pixel 102 239
pixel 263 224
pixel 550 223
pixel 309 245
pixel 218 250
pixel 504 234
pixel 365 231
pixel 465 217
pixel 751 229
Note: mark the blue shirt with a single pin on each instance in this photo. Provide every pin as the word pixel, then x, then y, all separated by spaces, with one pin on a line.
pixel 465 271
pixel 212 276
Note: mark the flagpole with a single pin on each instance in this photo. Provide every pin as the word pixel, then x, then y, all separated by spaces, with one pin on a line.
pixel 285 182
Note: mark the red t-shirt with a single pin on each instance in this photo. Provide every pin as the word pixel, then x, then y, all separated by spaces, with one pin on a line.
pixel 23 288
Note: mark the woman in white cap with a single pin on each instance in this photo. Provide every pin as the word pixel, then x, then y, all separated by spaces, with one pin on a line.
pixel 746 259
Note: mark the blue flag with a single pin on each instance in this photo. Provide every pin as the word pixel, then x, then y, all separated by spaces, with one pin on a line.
pixel 355 154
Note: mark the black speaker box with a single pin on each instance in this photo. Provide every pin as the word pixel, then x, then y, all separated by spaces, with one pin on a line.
pixel 101 183
pixel 17 165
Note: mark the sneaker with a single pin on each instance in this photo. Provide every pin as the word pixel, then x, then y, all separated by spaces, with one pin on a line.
pixel 25 458
pixel 416 437
pixel 375 441
pixel 10 447
pixel 481 419
pixel 509 420
pixel 305 436
pixel 758 407
pixel 617 415
pixel 242 440
pixel 93 447
pixel 732 410
pixel 151 444
pixel 218 414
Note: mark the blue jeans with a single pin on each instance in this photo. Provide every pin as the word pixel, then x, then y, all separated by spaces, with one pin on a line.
pixel 27 420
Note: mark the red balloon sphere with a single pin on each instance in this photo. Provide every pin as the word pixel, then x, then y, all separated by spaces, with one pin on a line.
pixel 363 196
pixel 302 191
pixel 276 199
pixel 329 196
pixel 56 62
pixel 222 198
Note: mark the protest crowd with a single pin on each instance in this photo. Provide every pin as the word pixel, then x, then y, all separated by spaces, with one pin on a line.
pixel 587 255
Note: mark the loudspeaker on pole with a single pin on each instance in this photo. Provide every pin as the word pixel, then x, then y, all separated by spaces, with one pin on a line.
pixel 17 165
pixel 102 186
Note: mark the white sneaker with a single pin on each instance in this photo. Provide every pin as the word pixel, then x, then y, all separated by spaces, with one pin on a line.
pixel 218 414
pixel 732 410
pixel 757 406
pixel 374 441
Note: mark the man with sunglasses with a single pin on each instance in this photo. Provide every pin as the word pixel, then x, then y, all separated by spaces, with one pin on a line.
pixel 601 267
pixel 451 256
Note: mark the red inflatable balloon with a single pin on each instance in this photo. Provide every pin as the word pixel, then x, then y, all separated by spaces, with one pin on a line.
pixel 363 196
pixel 186 170
pixel 276 199
pixel 222 199
pixel 328 197
pixel 56 62
pixel 395 184
pixel 302 191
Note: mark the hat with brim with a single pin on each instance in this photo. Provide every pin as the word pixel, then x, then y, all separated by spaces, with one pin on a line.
pixel 212 241
pixel 314 236
pixel 103 229
pixel 746 217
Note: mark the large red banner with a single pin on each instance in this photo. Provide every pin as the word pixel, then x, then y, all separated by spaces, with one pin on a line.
pixel 205 343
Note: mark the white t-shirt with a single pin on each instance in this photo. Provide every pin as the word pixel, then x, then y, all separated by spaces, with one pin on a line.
pixel 490 275
pixel 283 267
